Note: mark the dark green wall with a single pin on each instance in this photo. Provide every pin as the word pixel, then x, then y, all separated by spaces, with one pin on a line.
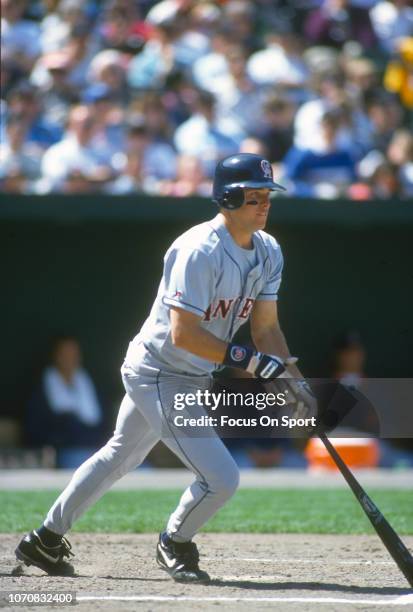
pixel 92 266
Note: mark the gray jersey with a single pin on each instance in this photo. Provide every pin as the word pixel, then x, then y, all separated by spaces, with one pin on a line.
pixel 208 274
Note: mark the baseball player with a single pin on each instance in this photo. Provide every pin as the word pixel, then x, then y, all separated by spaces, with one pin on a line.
pixel 216 276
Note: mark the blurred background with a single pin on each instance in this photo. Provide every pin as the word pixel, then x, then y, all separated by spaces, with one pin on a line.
pixel 113 116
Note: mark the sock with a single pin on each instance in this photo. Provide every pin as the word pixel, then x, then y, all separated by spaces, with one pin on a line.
pixel 48 537
pixel 166 539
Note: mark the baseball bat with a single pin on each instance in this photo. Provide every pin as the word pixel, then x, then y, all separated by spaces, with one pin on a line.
pixel 385 531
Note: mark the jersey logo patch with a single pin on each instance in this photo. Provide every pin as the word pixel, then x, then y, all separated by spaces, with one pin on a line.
pixel 266 168
pixel 238 353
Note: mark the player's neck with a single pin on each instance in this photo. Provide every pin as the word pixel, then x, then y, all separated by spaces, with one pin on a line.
pixel 240 235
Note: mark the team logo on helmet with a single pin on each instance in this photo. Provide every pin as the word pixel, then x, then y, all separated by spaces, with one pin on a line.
pixel 266 168
pixel 238 353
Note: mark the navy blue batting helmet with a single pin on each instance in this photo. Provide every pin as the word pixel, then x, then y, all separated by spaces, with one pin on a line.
pixel 238 172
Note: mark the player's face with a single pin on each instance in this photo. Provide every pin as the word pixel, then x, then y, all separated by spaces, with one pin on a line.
pixel 254 212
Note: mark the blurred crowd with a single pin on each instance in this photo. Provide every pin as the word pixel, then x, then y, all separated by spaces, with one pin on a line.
pixel 126 96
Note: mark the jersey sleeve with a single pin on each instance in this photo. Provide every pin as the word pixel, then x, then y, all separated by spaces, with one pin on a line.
pixel 189 281
pixel 272 285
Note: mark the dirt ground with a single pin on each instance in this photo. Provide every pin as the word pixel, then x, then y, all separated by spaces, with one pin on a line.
pixel 250 572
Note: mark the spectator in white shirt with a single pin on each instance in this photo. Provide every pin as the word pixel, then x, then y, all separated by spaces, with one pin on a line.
pixel 238 96
pixel 147 162
pixel 74 164
pixel 65 411
pixel 280 62
pixel 391 22
pixel 213 65
pixel 206 136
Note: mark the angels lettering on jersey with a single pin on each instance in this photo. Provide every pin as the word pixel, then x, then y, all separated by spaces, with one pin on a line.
pixel 222 307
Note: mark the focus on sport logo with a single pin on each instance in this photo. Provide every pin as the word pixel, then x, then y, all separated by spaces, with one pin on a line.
pixel 238 353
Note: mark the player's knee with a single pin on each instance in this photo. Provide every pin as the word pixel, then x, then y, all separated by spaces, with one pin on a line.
pixel 115 457
pixel 228 481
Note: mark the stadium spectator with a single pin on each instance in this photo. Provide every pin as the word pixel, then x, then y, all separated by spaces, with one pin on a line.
pixel 109 67
pixel 385 182
pixel 392 20
pixel 239 19
pixel 329 89
pixel 348 359
pixel 253 145
pixel 280 62
pixel 57 93
pixel 361 76
pixel 19 37
pixel 19 160
pixel 9 74
pixel 398 74
pixel 170 46
pixel 213 65
pixel 26 101
pixel 151 66
pixel 154 161
pixel 207 136
pixel 336 22
pixel 60 19
pixel 238 97
pixel 108 116
pixel 277 129
pixel 348 366
pixel 400 154
pixel 131 178
pixel 332 94
pixel 74 164
pixel 205 17
pixel 65 411
pixel 322 174
pixel 385 117
pixel 348 362
pixel 190 179
pixel 123 28
pixel 151 108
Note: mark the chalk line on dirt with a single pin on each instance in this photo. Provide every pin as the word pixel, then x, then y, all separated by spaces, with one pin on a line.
pixel 402 600
pixel 292 560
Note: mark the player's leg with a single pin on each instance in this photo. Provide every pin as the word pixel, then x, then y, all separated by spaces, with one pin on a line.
pixel 131 442
pixel 216 475
pixel 217 478
pixel 127 448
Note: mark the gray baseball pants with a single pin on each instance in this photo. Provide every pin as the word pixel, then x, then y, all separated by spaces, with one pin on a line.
pixel 145 417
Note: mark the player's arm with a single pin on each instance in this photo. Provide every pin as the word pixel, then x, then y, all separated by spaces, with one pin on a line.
pixel 267 334
pixel 187 334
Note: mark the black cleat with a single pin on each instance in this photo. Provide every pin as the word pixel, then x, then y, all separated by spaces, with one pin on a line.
pixel 180 560
pixel 32 551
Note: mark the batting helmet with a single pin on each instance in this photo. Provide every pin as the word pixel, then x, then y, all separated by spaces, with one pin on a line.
pixel 238 172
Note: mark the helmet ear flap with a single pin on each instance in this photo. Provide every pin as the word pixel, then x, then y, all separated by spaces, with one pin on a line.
pixel 232 197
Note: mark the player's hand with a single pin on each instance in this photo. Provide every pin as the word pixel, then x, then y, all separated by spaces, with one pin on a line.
pixel 301 399
pixel 268 366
